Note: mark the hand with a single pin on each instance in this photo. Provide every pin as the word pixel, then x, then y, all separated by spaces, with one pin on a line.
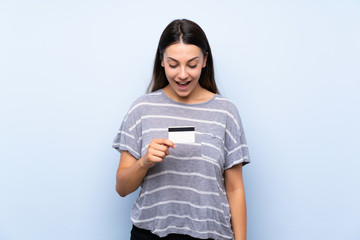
pixel 158 149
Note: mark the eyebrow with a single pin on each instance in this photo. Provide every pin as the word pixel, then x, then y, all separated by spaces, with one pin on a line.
pixel 178 61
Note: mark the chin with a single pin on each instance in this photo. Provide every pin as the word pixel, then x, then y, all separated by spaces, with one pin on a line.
pixel 183 94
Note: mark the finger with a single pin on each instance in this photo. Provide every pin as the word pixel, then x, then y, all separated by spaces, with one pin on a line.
pixel 165 142
pixel 150 157
pixel 155 159
pixel 153 153
pixel 159 147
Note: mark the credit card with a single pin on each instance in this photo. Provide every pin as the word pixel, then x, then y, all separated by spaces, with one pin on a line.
pixel 182 134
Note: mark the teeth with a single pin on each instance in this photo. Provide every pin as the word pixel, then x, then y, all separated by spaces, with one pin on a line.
pixel 182 84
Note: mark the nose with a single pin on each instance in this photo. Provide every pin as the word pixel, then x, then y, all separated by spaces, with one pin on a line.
pixel 183 74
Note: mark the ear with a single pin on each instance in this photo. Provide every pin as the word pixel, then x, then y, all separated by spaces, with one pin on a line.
pixel 162 63
pixel 205 59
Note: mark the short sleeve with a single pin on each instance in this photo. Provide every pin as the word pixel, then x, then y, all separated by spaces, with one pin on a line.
pixel 236 148
pixel 128 137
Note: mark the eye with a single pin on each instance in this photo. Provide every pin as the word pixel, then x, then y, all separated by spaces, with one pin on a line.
pixel 172 66
pixel 193 66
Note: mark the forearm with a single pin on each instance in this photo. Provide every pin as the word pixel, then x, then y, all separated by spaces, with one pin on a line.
pixel 129 179
pixel 131 171
pixel 237 204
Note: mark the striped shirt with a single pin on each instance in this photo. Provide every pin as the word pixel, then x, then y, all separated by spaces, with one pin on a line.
pixel 185 193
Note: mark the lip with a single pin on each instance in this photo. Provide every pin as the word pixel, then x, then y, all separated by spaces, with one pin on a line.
pixel 183 85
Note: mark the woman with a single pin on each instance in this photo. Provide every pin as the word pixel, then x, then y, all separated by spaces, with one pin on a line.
pixel 184 145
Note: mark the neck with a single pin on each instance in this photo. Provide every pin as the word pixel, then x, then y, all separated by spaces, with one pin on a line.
pixel 198 95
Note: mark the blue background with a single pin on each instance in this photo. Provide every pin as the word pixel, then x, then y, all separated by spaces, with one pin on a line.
pixel 69 71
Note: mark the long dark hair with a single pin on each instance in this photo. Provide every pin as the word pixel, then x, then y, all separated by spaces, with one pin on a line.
pixel 189 33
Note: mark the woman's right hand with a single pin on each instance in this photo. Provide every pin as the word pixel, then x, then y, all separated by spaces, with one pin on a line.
pixel 131 171
pixel 157 150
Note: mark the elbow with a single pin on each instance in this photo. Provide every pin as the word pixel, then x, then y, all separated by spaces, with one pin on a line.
pixel 122 195
pixel 121 192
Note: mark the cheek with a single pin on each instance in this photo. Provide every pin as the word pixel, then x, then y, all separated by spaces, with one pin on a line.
pixel 170 73
pixel 195 72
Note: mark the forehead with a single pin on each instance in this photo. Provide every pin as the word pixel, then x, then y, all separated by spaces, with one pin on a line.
pixel 182 51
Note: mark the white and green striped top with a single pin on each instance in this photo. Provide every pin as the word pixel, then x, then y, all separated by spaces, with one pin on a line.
pixel 185 193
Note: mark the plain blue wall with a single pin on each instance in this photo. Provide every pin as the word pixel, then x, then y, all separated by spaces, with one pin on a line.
pixel 70 69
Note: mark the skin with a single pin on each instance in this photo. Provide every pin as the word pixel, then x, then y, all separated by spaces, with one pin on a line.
pixel 236 195
pixel 183 64
pixel 131 171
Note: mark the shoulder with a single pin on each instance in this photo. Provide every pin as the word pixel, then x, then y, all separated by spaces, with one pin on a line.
pixel 225 103
pixel 230 108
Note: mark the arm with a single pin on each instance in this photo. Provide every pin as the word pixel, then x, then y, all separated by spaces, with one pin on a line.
pixel 131 171
pixel 236 195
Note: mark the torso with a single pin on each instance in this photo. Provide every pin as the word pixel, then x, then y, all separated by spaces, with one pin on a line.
pixel 185 193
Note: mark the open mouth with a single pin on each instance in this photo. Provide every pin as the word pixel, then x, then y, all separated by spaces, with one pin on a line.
pixel 183 85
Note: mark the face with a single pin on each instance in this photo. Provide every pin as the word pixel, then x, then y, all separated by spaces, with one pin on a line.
pixel 183 64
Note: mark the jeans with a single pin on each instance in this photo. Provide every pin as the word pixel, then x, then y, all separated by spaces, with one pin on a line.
pixel 141 234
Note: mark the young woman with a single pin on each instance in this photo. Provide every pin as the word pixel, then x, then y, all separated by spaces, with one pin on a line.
pixel 184 144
